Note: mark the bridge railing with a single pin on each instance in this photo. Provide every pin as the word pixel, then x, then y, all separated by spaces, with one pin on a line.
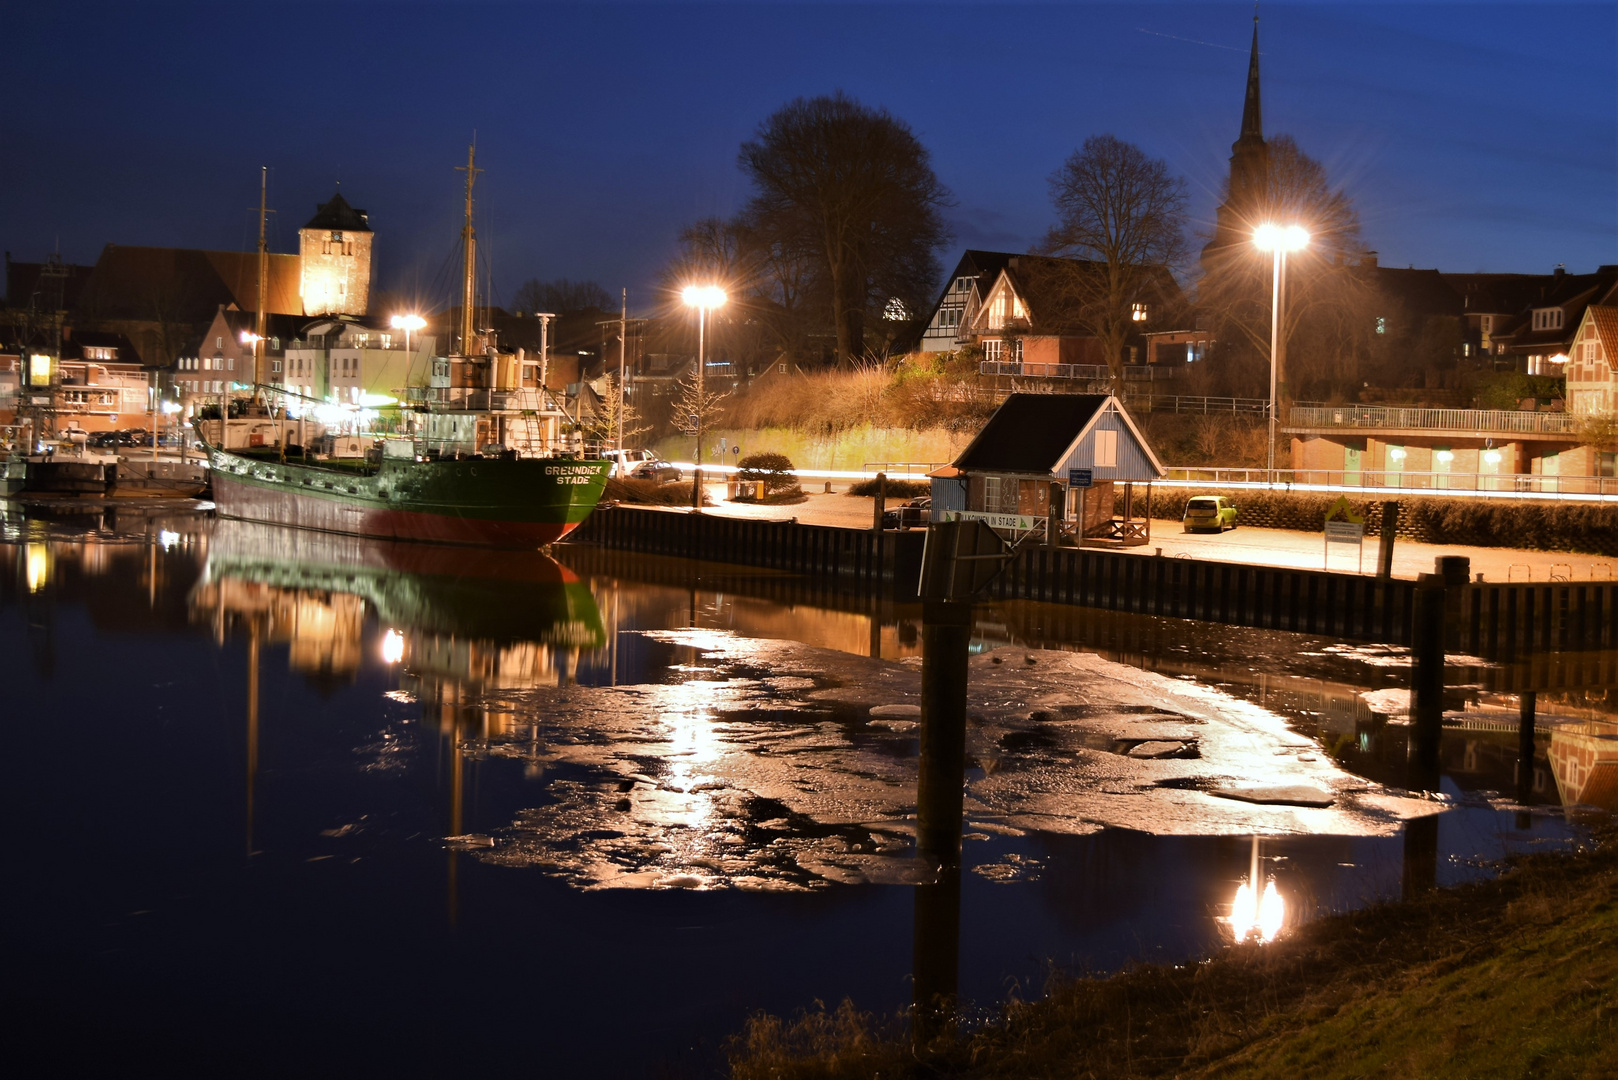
pixel 1396 416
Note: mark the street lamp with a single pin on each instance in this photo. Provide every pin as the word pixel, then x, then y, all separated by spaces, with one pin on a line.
pixel 1278 239
pixel 704 298
pixel 407 323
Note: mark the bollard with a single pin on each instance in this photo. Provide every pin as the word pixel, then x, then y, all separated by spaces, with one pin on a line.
pixel 881 504
pixel 1427 681
pixel 946 633
pixel 1390 527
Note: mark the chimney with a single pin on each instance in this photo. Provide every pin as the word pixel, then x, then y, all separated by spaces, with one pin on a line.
pixel 1368 260
pixel 1560 271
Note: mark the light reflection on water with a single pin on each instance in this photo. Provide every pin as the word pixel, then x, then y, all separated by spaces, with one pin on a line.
pixel 638 771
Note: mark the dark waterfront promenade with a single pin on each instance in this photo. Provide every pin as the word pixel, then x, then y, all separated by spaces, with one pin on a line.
pixel 294 802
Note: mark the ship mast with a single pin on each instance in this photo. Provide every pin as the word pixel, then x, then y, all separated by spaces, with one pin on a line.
pixel 263 277
pixel 469 244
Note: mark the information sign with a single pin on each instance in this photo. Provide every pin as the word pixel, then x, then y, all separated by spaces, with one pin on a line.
pixel 1080 478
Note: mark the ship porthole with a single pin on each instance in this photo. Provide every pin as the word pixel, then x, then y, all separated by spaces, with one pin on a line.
pixel 473 470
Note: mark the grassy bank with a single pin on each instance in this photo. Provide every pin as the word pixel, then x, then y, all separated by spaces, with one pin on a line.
pixel 1512 977
pixel 849 449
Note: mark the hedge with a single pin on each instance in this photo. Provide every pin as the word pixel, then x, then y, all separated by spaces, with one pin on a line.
pixel 1590 528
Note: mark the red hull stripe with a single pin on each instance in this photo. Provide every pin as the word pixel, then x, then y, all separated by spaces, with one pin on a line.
pixel 255 503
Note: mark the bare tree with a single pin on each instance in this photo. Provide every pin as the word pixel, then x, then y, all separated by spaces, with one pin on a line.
pixel 1125 213
pixel 562 296
pixel 853 189
pixel 613 420
pixel 690 404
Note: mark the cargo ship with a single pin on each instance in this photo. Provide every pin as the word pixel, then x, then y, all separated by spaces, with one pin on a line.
pixel 481 454
pixel 498 501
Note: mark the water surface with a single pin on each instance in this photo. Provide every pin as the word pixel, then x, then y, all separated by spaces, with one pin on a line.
pixel 292 802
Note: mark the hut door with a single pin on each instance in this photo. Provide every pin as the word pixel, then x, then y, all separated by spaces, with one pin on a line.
pixel 1033 497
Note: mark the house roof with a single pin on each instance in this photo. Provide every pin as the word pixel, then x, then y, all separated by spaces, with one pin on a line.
pixel 185 285
pixel 337 214
pixel 1605 319
pixel 1054 288
pixel 1422 292
pixel 1030 433
pixel 1570 292
pixel 27 282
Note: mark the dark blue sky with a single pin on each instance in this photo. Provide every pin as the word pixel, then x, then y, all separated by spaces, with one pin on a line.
pixel 1471 136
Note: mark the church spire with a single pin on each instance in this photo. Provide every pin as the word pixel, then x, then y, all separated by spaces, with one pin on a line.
pixel 1252 118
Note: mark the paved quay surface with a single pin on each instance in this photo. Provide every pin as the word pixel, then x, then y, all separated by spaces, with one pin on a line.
pixel 1261 547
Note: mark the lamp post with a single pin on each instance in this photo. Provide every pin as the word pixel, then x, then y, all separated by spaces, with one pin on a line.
pixel 1278 239
pixel 704 298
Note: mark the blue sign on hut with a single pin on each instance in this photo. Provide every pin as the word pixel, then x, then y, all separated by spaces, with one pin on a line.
pixel 1057 458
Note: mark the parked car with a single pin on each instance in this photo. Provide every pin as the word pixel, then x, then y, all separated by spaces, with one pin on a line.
pixel 655 470
pixel 1213 512
pixel 134 437
pixel 912 515
pixel 626 462
pixel 104 439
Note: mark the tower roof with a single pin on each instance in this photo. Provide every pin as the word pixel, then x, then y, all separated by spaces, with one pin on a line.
pixel 1252 116
pixel 337 214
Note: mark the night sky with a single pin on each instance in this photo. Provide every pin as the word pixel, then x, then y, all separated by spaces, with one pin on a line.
pixel 1471 136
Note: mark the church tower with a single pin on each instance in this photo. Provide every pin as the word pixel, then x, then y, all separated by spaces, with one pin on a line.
pixel 334 250
pixel 1249 161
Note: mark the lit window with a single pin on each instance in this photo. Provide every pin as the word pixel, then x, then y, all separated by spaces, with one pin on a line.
pixel 1137 312
pixel 1381 325
pixel 992 349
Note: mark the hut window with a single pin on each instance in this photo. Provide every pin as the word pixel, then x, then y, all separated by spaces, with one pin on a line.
pixel 1106 449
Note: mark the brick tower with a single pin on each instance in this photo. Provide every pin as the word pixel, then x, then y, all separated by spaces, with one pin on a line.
pixel 334 250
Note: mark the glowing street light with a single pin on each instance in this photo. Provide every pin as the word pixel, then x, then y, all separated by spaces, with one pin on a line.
pixel 407 323
pixel 1277 239
pixel 704 298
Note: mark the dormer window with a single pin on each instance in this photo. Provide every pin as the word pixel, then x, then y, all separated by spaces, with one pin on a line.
pixel 1548 318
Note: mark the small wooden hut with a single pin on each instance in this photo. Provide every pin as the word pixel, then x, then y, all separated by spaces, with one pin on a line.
pixel 1055 461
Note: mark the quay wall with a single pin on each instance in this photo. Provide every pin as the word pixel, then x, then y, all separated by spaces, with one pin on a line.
pixel 1491 619
pixel 852 557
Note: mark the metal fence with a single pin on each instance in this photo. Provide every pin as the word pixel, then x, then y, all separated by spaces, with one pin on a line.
pixel 1394 416
pixel 1193 403
pixel 1023 369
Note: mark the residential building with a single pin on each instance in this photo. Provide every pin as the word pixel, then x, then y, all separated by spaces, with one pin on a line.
pixel 346 361
pixel 962 296
pixel 1538 337
pixel 223 355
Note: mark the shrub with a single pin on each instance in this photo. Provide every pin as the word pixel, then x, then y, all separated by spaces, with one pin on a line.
pixel 897 489
pixel 652 492
pixel 1433 519
pixel 773 470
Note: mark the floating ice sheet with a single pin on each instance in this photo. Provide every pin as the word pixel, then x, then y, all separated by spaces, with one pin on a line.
pixel 775 765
